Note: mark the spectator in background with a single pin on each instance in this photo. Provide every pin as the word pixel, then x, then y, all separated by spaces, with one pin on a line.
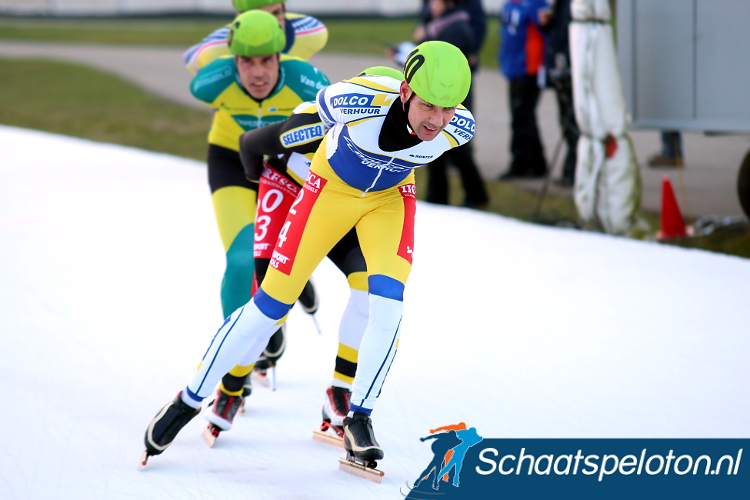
pixel 477 20
pixel 671 150
pixel 450 22
pixel 521 58
pixel 558 76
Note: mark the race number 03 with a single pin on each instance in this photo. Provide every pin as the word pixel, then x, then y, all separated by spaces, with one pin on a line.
pixel 268 204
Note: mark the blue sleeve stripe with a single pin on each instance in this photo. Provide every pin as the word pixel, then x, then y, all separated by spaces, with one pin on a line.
pixel 385 286
pixel 306 23
pixel 323 110
pixel 269 306
pixel 189 53
pixel 220 36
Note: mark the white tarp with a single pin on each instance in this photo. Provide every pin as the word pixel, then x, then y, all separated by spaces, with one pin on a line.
pixel 608 184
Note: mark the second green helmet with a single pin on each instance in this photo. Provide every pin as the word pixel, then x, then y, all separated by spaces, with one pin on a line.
pixel 255 33
pixel 439 73
pixel 383 71
pixel 245 5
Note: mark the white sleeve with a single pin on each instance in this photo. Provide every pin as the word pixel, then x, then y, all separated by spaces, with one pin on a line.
pixel 462 126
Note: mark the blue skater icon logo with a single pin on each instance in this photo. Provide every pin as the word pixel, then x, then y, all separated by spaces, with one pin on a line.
pixel 451 442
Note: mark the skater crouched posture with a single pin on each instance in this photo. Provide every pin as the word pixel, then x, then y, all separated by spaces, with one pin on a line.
pixel 290 146
pixel 361 177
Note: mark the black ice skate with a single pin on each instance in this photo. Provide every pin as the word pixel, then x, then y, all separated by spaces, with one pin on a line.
pixel 165 425
pixel 247 390
pixel 359 438
pixel 362 450
pixel 223 410
pixel 271 354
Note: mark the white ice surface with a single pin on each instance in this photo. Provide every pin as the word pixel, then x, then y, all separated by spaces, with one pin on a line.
pixel 110 265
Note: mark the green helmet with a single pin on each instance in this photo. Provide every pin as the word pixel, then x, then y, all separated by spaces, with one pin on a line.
pixel 256 33
pixel 383 71
pixel 439 73
pixel 245 5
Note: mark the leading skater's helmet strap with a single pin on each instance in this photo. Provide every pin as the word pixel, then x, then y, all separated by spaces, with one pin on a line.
pixel 256 33
pixel 439 73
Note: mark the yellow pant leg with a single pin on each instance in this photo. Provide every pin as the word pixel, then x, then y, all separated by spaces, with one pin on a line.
pixel 234 207
pixel 386 232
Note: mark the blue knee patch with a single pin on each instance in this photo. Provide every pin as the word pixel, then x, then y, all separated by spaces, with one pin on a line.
pixel 385 286
pixel 269 306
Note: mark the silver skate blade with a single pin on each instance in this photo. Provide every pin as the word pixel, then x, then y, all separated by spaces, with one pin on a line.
pixel 328 438
pixel 356 469
pixel 317 326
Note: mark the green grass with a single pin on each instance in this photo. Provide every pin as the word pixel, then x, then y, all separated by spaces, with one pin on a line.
pixel 77 101
pixel 160 31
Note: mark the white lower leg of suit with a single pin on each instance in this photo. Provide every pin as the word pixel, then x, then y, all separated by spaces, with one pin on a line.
pixel 243 336
pixel 377 349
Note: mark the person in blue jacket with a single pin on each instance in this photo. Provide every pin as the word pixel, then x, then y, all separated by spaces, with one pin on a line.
pixel 521 59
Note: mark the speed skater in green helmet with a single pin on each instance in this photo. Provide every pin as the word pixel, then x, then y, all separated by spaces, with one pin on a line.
pixel 256 40
pixel 255 33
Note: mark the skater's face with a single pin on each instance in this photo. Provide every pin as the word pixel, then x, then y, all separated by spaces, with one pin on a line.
pixel 425 119
pixel 258 74
pixel 277 10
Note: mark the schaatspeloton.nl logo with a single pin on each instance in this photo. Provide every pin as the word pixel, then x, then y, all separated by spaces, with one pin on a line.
pixel 467 465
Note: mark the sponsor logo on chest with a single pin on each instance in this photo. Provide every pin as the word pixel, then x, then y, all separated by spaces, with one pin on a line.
pixel 365 104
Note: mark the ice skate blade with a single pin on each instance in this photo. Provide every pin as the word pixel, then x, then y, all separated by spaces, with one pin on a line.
pixel 317 326
pixel 328 438
pixel 144 460
pixel 360 470
pixel 210 435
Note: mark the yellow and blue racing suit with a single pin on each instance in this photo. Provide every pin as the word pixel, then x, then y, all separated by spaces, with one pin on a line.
pixel 291 145
pixel 305 35
pixel 233 196
pixel 361 177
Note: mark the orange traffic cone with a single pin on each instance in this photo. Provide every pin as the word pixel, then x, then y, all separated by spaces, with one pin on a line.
pixel 672 223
